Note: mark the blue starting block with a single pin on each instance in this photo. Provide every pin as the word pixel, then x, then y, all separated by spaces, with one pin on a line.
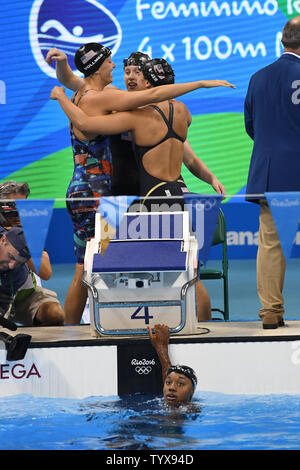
pixel 146 275
pixel 141 256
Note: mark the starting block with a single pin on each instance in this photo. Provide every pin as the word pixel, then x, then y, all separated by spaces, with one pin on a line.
pixel 145 276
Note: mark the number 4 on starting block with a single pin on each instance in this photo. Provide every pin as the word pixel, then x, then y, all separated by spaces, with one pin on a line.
pixel 146 316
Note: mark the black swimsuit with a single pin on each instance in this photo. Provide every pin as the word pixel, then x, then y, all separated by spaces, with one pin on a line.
pixel 150 185
pixel 125 178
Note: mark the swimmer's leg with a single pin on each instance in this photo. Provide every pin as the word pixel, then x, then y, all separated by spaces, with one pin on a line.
pixel 76 298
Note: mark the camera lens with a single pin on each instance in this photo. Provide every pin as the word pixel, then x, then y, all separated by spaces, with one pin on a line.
pixel 139 283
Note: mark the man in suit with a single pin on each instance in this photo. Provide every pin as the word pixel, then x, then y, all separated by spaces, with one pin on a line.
pixel 272 120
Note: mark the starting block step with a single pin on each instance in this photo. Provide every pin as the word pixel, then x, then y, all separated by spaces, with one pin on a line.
pixel 141 256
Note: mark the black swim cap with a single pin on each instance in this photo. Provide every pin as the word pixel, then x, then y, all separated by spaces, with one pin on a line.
pixel 136 58
pixel 158 72
pixel 185 370
pixel 90 57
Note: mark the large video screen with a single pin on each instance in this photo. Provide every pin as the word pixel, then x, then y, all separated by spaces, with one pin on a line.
pixel 201 39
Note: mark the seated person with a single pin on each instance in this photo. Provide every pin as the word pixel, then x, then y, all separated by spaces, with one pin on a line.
pixel 14 254
pixel 33 305
pixel 13 250
pixel 179 381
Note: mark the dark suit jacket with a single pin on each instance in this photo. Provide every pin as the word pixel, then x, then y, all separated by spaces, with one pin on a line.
pixel 272 120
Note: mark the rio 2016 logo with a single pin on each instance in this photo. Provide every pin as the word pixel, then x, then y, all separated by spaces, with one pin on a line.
pixel 69 27
pixel 143 366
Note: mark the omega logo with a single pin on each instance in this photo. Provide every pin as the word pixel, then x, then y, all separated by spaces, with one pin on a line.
pixel 18 371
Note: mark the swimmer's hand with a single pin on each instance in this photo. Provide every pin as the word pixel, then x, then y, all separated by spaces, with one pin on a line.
pixel 160 337
pixel 55 54
pixel 57 92
pixel 215 83
pixel 64 73
pixel 217 186
pixel 160 341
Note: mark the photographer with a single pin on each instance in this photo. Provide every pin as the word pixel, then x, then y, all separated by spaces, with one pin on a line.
pixel 32 305
pixel 13 270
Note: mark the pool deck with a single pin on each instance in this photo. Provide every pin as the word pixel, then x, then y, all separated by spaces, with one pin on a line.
pixel 230 357
pixel 215 331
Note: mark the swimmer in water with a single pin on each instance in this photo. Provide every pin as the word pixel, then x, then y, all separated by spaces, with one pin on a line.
pixel 179 381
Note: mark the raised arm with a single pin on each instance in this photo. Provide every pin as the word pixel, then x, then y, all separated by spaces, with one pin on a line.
pixel 64 73
pixel 108 124
pixel 160 342
pixel 119 100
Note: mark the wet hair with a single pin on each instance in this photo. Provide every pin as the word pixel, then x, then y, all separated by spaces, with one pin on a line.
pixel 291 35
pixel 89 57
pixel 158 72
pixel 138 59
pixel 185 370
pixel 9 187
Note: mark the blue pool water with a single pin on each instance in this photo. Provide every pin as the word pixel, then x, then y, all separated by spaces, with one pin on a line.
pixel 139 422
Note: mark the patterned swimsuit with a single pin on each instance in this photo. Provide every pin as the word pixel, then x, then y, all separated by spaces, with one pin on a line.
pixel 91 179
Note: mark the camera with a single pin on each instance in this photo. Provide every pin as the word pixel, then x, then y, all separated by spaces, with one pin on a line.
pixel 8 211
